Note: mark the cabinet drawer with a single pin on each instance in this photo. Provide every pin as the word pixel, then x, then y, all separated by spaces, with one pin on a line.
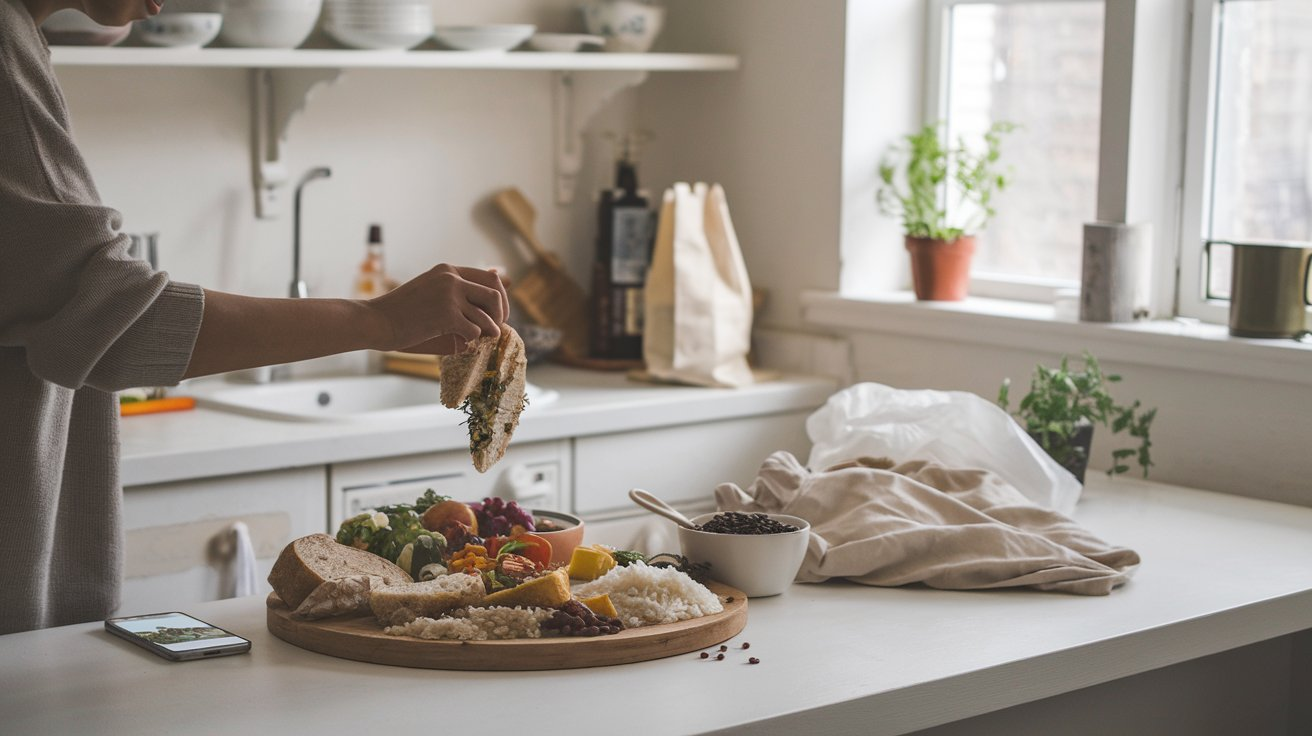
pixel 176 532
pixel 680 464
pixel 535 474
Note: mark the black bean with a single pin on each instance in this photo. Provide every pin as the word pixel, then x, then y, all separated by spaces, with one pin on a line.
pixel 734 522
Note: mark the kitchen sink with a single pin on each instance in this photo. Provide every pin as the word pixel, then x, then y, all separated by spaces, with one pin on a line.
pixel 351 399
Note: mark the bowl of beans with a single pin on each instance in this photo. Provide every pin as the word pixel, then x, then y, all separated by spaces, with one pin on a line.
pixel 758 554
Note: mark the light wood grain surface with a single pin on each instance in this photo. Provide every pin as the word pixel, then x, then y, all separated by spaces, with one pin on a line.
pixel 361 638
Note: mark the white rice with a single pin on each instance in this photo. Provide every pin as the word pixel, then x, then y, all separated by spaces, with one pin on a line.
pixel 645 595
pixel 478 624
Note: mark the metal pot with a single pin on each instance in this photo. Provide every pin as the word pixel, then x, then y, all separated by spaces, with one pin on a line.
pixel 1269 285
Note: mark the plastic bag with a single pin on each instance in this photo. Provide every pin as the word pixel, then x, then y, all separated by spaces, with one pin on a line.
pixel 953 428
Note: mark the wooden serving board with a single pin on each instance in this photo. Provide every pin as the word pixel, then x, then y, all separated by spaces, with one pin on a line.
pixel 362 639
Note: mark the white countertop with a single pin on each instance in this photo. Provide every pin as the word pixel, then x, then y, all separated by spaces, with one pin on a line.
pixel 204 443
pixel 1219 572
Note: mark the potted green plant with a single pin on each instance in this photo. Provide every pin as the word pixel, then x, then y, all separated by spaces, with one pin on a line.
pixel 914 176
pixel 1063 406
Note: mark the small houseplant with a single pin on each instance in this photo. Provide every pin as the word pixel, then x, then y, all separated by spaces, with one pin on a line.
pixel 940 236
pixel 1063 406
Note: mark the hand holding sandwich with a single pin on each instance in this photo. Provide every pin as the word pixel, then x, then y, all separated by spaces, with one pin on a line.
pixel 444 310
pixel 440 311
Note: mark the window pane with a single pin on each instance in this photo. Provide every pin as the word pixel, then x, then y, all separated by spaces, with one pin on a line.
pixel 1037 64
pixel 1262 173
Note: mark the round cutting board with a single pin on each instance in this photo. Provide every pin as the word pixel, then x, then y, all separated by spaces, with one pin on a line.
pixel 361 638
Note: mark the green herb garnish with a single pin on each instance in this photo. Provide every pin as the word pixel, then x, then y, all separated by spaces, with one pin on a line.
pixel 513 546
pixel 625 557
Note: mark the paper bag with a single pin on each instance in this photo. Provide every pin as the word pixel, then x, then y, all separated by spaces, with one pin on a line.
pixel 698 302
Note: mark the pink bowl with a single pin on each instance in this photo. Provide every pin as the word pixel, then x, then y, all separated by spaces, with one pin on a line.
pixel 563 542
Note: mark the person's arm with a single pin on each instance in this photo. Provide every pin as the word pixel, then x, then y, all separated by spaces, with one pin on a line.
pixel 437 312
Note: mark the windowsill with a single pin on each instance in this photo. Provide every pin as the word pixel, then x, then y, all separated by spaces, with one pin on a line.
pixel 1175 344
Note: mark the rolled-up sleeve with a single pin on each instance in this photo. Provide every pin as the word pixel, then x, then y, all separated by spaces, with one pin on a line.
pixel 84 311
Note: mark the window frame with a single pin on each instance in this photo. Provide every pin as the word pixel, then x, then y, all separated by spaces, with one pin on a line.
pixel 1199 188
pixel 1181 236
pixel 1200 148
pixel 937 84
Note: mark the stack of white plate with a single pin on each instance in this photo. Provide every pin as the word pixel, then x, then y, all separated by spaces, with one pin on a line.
pixel 269 24
pixel 379 24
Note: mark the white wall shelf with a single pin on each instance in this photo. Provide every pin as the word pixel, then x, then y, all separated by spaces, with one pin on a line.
pixel 282 81
pixel 351 59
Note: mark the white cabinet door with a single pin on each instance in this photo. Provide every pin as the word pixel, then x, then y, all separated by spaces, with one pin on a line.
pixel 682 465
pixel 178 542
pixel 537 475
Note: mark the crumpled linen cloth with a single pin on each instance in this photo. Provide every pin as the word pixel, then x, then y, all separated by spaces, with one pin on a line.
pixel 879 523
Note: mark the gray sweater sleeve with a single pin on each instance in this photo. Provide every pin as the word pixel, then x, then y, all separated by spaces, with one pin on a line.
pixel 85 313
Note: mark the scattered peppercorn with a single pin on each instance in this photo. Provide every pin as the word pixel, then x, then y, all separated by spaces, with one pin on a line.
pixel 747 645
pixel 704 655
pixel 720 656
pixel 753 660
pixel 734 522
pixel 724 647
pixel 729 599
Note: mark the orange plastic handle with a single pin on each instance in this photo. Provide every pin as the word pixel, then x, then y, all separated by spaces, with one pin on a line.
pixel 155 406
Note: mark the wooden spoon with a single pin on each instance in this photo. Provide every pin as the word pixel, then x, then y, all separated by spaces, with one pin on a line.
pixel 660 508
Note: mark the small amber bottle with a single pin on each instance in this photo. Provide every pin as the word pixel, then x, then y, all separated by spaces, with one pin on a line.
pixel 372 280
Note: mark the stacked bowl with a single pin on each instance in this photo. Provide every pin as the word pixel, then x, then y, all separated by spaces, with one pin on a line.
pixel 379 24
pixel 269 24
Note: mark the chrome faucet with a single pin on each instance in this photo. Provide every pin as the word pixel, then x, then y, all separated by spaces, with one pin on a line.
pixel 299 290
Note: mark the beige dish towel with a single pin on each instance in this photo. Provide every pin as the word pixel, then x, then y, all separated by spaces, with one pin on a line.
pixel 877 523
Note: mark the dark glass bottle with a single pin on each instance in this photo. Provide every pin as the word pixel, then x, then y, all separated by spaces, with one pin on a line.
pixel 625 229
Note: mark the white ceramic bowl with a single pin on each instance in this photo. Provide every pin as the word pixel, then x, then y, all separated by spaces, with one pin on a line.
pixel 759 565
pixel 74 28
pixel 269 24
pixel 483 38
pixel 180 29
pixel 563 42
pixel 629 26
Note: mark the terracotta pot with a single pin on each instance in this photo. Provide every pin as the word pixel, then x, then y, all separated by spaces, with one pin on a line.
pixel 939 270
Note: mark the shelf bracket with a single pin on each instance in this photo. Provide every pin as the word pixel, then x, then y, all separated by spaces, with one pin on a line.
pixel 576 99
pixel 277 97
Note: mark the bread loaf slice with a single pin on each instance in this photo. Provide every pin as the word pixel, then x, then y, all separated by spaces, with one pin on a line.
pixel 338 597
pixel 309 562
pixel 512 371
pixel 401 604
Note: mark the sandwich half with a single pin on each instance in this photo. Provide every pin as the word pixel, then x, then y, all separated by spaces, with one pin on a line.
pixel 488 384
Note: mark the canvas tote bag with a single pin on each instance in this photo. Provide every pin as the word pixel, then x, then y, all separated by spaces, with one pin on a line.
pixel 698 303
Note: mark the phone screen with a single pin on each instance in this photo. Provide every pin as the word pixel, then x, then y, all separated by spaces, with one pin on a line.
pixel 177 632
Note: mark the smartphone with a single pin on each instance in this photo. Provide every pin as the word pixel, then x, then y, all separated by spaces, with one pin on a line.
pixel 176 636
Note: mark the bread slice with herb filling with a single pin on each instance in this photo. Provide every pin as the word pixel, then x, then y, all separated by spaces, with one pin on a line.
pixel 488 383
